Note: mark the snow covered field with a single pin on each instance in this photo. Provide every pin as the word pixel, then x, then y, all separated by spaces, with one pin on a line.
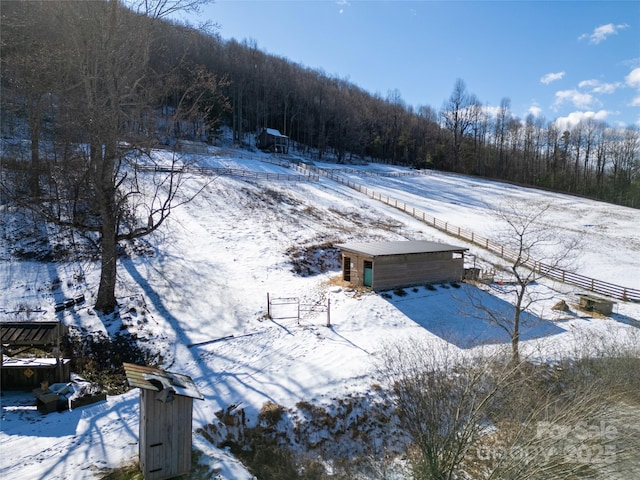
pixel 207 273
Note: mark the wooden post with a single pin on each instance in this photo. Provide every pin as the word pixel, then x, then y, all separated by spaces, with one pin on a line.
pixel 328 312
pixel 59 367
pixel 268 306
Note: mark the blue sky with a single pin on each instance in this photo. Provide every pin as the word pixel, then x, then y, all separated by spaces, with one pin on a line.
pixel 563 60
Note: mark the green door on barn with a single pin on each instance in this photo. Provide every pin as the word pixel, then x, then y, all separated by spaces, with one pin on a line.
pixel 368 274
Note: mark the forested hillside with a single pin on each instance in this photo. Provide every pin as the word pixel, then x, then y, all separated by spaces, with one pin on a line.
pixel 168 80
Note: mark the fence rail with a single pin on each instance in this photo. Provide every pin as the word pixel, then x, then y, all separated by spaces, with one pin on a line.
pixel 550 271
pixel 234 172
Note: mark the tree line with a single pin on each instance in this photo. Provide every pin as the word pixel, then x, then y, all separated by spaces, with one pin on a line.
pixel 329 114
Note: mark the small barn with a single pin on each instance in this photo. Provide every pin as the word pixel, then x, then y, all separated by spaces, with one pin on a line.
pixel 271 140
pixel 387 265
pixel 32 354
pixel 166 413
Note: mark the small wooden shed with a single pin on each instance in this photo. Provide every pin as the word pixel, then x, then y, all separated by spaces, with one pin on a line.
pixel 271 140
pixel 600 305
pixel 25 372
pixel 165 430
pixel 387 265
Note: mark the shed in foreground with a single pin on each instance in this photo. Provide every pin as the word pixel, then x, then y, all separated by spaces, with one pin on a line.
pixel 166 413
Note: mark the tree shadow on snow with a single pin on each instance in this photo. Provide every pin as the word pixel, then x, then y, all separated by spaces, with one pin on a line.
pixel 460 315
pixel 633 322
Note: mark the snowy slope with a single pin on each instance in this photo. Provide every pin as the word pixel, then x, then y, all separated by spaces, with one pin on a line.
pixel 216 259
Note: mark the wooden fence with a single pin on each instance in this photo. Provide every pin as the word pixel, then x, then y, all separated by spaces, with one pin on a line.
pixel 234 172
pixel 555 273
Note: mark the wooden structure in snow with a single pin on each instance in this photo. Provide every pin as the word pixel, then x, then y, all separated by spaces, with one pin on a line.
pixel 592 303
pixel 271 140
pixel 166 402
pixel 191 146
pixel 387 265
pixel 22 372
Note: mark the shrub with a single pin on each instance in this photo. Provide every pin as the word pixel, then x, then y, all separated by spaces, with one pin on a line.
pixel 99 359
pixel 271 413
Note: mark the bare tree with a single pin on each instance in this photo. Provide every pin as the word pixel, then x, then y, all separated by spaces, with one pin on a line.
pixel 480 416
pixel 107 107
pixel 531 246
pixel 443 401
pixel 30 71
pixel 458 118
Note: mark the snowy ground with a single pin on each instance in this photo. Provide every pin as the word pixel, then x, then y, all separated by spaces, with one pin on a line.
pixel 214 262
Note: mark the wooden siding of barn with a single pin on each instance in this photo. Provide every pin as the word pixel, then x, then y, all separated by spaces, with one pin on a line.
pixel 20 375
pixel 165 436
pixel 405 270
pixel 394 271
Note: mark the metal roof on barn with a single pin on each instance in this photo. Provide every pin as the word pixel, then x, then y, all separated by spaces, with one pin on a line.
pixel 31 333
pixel 155 379
pixel 401 247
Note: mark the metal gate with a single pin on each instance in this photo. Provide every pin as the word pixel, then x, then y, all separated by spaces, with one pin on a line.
pixel 283 307
pixel 290 307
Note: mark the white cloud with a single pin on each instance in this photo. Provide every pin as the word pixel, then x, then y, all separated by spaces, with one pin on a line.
pixel 578 99
pixel 601 33
pixel 491 110
pixel 596 87
pixel 633 79
pixel 606 88
pixel 551 77
pixel 576 117
pixel 588 83
pixel 535 110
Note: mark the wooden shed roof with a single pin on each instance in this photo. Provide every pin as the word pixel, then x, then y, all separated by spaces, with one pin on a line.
pixel 402 247
pixel 31 333
pixel 155 379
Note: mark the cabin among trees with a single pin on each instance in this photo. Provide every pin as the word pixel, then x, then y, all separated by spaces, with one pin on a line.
pixel 271 140
pixel 387 265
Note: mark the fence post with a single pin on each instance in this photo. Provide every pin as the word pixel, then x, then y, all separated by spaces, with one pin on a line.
pixel 268 306
pixel 328 312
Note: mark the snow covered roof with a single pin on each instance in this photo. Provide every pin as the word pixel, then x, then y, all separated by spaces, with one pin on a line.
pixel 26 362
pixel 274 132
pixel 155 379
pixel 377 249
